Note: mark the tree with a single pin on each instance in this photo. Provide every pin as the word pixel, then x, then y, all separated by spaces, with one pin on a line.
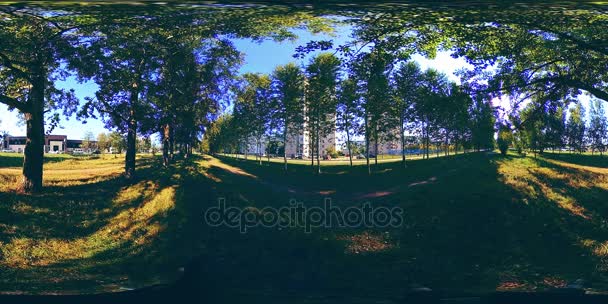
pixel 598 126
pixel 103 142
pixel 322 76
pixel 88 140
pixel 288 91
pixel 407 80
pixel 457 111
pixel 123 63
pixel 220 136
pixel 504 138
pixel 252 109
pixel 348 112
pixel 144 144
pixel 530 50
pixel 186 57
pixel 482 130
pixel 534 126
pixel 433 93
pixel 195 81
pixel 556 127
pixel 33 45
pixel 538 52
pixel 3 138
pixel 372 72
pixel 117 142
pixel 576 129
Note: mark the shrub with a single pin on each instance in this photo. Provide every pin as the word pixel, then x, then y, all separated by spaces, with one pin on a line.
pixel 331 151
pixel 504 139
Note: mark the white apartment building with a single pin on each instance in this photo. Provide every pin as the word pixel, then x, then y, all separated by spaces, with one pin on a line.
pixel 298 141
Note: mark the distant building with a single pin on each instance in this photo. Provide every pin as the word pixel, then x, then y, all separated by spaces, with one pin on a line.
pixel 298 141
pixel 253 147
pixel 52 143
pixel 15 143
pixel 390 147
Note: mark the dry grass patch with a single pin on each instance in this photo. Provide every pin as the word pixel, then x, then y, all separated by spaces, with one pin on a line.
pixel 89 230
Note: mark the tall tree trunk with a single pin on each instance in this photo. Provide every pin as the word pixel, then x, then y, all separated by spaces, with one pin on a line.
pixel 246 149
pixel 348 147
pixel 402 136
pixel 130 155
pixel 166 132
pixel 311 148
pixel 171 143
pixel 33 154
pixel 318 143
pixel 427 138
pixel 259 154
pixel 447 147
pixel 285 147
pixel 369 168
pixel 376 144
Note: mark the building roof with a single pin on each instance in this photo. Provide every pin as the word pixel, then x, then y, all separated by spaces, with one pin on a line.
pixel 49 137
pixel 55 137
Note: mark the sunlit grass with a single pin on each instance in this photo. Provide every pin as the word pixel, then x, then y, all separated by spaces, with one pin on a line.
pixel 85 221
pixel 65 170
pixel 526 176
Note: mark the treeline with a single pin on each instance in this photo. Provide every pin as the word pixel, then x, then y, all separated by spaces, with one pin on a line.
pixel 171 69
pixel 379 98
pixel 556 126
pixel 117 143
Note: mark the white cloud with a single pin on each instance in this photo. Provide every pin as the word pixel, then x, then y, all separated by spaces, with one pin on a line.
pixel 9 121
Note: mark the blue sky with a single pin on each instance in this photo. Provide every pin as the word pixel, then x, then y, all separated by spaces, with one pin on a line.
pixel 259 57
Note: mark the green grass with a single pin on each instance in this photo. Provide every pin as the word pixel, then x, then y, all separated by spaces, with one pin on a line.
pixel 477 222
pixel 16 159
pixel 334 162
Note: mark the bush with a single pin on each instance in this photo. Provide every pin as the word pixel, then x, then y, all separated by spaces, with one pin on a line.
pixel 503 146
pixel 331 151
pixel 504 139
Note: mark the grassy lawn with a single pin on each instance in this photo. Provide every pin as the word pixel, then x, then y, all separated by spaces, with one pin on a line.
pixel 476 222
pixel 90 231
pixel 337 161
pixel 16 159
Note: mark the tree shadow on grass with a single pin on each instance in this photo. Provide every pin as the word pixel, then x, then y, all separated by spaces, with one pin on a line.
pixel 468 230
pixel 551 228
pixel 16 160
pixel 67 211
pixel 596 160
pixel 465 231
pixel 132 244
pixel 345 182
pixel 579 187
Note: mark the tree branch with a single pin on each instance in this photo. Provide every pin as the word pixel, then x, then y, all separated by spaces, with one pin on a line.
pixel 9 64
pixel 589 88
pixel 13 103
